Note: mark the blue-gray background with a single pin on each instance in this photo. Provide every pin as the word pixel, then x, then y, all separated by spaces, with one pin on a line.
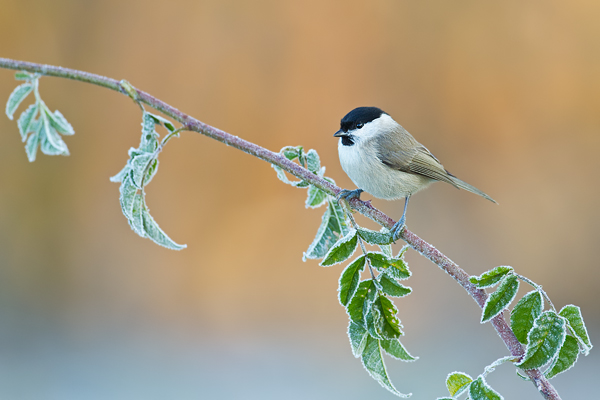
pixel 506 94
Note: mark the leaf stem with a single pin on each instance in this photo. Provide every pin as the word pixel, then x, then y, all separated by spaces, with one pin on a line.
pixel 365 208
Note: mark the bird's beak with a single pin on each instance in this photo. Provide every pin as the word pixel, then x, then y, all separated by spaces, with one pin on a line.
pixel 339 133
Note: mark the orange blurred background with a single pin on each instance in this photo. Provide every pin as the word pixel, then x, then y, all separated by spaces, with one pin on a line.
pixel 505 94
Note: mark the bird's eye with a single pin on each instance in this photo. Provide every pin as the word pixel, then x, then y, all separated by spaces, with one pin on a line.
pixel 359 125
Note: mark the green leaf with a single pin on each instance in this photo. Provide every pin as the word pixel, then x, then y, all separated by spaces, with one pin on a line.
pixel 143 163
pixel 396 268
pixel 127 191
pixel 381 320
pixel 316 197
pixel 390 287
pixel 333 225
pixel 149 139
pixel 349 280
pixel 16 97
pixel 372 360
pixel 361 300
pixel 158 120
pixel 501 298
pixel 573 315
pixel 374 237
pixel 341 250
pixel 153 231
pixel 137 218
pixel 480 390
pixel 524 313
pixel 491 277
pixel 395 349
pixel 544 340
pixel 457 383
pixel 33 142
pixel 23 76
pixel 26 122
pixel 567 357
pixel 291 152
pixel 59 122
pixel 313 164
pixel 386 249
pixel 358 338
pixel 52 144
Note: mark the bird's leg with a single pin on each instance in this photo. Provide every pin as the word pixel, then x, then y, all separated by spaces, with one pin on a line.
pixel 349 194
pixel 399 226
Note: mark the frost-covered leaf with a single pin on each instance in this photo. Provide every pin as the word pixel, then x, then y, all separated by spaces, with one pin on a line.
pixel 358 338
pixel 341 250
pixel 313 164
pixel 480 390
pixel 349 280
pixel 137 217
pixel 390 287
pixel 396 350
pixel 573 315
pixel 315 198
pixel 26 121
pixel 386 249
pixel 149 139
pixel 127 191
pixel 491 277
pixel 158 120
pixel 291 152
pixel 121 174
pixel 333 225
pixel 153 231
pixel 544 340
pixel 372 360
pixel 59 122
pixel 361 300
pixel 457 383
pixel 567 357
pixel 394 267
pixel 501 298
pixel 374 237
pixel 52 143
pixel 16 97
pixel 143 164
pixel 32 143
pixel 381 319
pixel 283 177
pixel 524 313
pixel 23 76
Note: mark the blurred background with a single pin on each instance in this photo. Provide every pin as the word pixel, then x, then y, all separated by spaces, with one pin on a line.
pixel 505 94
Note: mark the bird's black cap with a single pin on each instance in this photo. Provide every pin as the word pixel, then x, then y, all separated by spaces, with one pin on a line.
pixel 360 115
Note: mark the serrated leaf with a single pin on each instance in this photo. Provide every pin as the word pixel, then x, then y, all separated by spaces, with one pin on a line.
pixel 524 313
pixel 480 390
pixel 59 122
pixel 381 320
pixel 140 166
pixel 313 163
pixel 349 280
pixel 23 76
pixel 341 250
pixel 333 225
pixel 457 383
pixel 573 315
pixel 315 198
pixel 356 309
pixel 127 192
pixel 358 338
pixel 374 237
pixel 16 97
pixel 491 277
pixel 396 350
pixel 149 139
pixel 396 268
pixel 567 357
pixel 390 287
pixel 153 231
pixel 32 144
pixel 26 121
pixel 501 298
pixel 544 340
pixel 137 217
pixel 52 143
pixel 372 360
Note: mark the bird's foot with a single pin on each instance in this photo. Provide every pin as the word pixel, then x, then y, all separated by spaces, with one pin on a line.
pixel 349 194
pixel 398 228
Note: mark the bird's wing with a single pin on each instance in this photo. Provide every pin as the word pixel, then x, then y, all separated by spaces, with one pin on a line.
pixel 400 151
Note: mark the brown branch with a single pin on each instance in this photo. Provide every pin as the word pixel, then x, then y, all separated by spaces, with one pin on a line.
pixel 418 244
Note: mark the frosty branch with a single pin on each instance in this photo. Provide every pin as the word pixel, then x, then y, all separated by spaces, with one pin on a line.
pixel 373 325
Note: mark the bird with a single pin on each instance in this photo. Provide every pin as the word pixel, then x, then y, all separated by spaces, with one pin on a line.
pixel 383 159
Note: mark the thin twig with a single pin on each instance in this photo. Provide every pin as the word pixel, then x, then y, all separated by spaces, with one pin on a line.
pixel 418 244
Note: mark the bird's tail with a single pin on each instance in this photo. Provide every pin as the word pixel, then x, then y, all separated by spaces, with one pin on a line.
pixel 464 185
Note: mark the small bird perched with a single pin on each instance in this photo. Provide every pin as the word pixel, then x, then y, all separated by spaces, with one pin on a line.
pixel 383 159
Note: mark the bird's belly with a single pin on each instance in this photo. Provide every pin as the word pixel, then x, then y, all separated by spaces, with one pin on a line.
pixel 380 180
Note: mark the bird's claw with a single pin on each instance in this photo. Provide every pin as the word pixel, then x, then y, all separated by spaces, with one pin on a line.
pixel 397 229
pixel 349 194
